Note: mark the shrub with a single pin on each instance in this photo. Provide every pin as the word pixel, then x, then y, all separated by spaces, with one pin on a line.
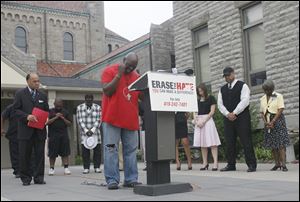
pixel 78 160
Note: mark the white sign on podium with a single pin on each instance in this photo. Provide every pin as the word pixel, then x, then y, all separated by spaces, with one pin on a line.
pixel 171 92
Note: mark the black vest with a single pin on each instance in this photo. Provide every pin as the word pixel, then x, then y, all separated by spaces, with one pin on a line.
pixel 232 97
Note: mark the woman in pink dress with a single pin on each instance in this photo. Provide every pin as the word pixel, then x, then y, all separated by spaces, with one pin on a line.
pixel 206 134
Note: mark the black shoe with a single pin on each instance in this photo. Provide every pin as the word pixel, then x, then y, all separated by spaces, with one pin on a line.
pixel 276 167
pixel 131 185
pixel 26 183
pixel 205 167
pixel 112 186
pixel 40 182
pixel 190 168
pixel 214 169
pixel 178 168
pixel 228 168
pixel 284 168
pixel 251 169
pixel 145 169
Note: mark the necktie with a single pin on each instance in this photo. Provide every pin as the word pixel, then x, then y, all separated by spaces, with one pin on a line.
pixel 229 85
pixel 33 94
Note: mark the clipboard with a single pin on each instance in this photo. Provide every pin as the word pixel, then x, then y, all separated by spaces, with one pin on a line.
pixel 41 116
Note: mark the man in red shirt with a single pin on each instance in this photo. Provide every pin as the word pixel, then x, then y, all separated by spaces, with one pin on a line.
pixel 120 121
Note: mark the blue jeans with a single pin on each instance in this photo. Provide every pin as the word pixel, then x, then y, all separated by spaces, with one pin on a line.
pixel 129 138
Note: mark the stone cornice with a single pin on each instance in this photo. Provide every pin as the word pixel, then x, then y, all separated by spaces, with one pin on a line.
pixel 37 9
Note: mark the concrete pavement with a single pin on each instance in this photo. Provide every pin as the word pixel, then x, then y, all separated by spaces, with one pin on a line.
pixel 207 185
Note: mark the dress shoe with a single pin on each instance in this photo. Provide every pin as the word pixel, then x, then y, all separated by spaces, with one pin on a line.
pixel 205 167
pixel 214 169
pixel 228 168
pixel 190 168
pixel 284 168
pixel 40 182
pixel 26 183
pixel 276 167
pixel 251 169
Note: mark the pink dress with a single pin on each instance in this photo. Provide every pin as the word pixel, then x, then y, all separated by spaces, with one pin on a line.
pixel 206 136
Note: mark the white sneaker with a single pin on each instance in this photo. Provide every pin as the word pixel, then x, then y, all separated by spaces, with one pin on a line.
pixel 86 171
pixel 67 171
pixel 98 170
pixel 51 171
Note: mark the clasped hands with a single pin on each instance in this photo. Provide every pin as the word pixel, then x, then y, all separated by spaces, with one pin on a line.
pixel 231 116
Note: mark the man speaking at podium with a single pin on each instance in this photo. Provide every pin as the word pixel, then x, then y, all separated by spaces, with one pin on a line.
pixel 120 121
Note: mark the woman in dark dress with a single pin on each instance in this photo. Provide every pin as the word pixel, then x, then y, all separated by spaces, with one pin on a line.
pixel 181 132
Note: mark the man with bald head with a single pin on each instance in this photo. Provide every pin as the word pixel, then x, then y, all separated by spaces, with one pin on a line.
pixel 120 121
pixel 58 139
pixel 30 138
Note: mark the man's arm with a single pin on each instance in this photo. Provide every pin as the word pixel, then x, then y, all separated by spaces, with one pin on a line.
pixel 20 114
pixel 245 100
pixel 80 120
pixel 221 106
pixel 110 88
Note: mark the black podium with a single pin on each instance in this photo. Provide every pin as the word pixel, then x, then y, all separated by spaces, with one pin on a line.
pixel 160 147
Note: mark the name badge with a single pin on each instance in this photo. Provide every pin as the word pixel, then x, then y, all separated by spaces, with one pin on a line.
pixel 41 101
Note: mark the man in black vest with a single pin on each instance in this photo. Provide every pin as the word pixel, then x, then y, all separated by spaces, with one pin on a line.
pixel 233 103
pixel 30 138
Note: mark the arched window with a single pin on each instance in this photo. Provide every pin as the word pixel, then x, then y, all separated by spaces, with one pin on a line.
pixel 21 39
pixel 109 48
pixel 117 46
pixel 68 47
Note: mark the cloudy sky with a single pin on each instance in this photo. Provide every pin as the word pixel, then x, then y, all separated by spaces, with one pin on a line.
pixel 132 19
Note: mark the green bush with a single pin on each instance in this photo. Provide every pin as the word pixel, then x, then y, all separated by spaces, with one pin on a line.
pixel 78 160
pixel 263 154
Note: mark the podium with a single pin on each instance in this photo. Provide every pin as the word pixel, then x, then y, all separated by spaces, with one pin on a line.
pixel 159 120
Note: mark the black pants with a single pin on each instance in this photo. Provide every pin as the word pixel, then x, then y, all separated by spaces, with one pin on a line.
pixel 25 159
pixel 240 127
pixel 14 155
pixel 86 156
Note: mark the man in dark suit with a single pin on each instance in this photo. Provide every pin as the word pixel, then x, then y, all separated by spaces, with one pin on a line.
pixel 30 138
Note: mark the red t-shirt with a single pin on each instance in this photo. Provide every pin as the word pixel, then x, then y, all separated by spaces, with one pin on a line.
pixel 118 110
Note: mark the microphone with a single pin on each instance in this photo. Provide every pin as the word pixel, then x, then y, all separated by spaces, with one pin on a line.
pixel 188 72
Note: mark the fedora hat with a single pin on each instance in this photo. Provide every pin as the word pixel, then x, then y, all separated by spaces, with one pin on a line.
pixel 90 142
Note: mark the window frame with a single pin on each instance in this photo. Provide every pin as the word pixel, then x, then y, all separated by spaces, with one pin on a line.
pixel 25 38
pixel 72 52
pixel 195 46
pixel 246 47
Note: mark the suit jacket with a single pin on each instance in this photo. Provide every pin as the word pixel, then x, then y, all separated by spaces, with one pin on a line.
pixel 23 105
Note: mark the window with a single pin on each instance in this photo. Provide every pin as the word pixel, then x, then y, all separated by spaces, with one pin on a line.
pixel 21 39
pixel 254 44
pixel 201 55
pixel 109 48
pixel 68 47
pixel 117 46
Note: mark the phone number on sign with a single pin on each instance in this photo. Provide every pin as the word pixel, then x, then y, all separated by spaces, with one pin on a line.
pixel 175 104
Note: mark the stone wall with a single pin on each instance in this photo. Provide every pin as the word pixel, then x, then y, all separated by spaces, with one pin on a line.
pixel 223 18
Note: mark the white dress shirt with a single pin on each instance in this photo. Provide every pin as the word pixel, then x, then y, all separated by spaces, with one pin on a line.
pixel 245 100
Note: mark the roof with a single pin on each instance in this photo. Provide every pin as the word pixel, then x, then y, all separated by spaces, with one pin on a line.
pixel 54 69
pixel 69 82
pixel 73 6
pixel 109 33
pixel 115 52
